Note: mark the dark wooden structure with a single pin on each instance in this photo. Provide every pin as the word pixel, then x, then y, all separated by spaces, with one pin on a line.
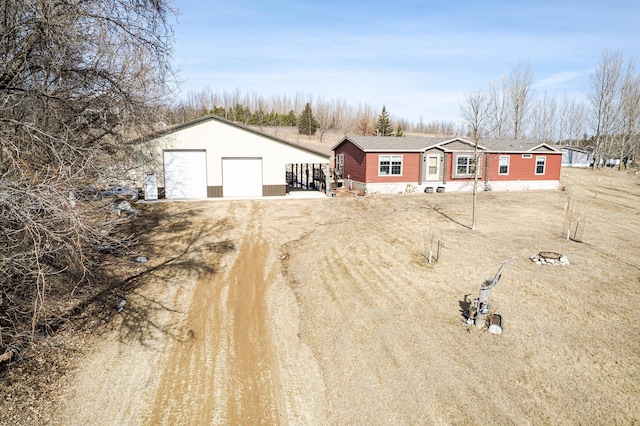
pixel 305 177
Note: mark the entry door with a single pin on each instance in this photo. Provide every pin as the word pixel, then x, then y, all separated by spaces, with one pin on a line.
pixel 433 167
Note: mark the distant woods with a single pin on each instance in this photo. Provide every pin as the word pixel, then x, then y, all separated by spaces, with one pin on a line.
pixel 335 114
pixel 514 112
pixel 606 117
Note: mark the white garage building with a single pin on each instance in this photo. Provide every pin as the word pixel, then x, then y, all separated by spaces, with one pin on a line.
pixel 215 157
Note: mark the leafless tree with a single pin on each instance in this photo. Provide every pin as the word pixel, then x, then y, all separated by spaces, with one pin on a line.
pixel 365 119
pixel 602 91
pixel 572 120
pixel 78 81
pixel 341 113
pixel 498 108
pixel 629 114
pixel 563 121
pixel 519 88
pixel 545 119
pixel 435 127
pixel 475 113
pixel 322 111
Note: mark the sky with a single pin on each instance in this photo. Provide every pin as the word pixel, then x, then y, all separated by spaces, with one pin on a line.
pixel 417 58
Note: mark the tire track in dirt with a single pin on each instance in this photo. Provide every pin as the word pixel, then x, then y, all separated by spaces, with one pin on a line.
pixel 223 373
pixel 252 386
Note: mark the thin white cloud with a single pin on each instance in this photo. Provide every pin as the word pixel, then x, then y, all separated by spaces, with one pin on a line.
pixel 561 77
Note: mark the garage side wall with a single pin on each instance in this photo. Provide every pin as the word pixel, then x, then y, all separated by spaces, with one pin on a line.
pixel 221 140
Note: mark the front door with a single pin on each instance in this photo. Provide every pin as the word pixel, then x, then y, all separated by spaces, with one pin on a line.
pixel 433 167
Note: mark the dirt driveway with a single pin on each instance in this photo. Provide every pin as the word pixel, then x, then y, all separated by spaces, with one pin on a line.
pixel 326 312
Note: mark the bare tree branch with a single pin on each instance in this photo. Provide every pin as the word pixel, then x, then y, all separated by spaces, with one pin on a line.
pixel 78 81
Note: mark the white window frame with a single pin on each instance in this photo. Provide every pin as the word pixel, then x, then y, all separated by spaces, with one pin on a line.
pixel 340 161
pixel 502 157
pixel 394 161
pixel 469 173
pixel 544 164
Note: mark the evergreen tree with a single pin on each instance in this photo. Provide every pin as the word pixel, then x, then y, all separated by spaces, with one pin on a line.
pixel 399 132
pixel 292 119
pixel 383 125
pixel 219 111
pixel 307 124
pixel 273 118
pixel 258 118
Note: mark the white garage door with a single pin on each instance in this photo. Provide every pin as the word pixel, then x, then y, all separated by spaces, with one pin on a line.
pixel 185 174
pixel 242 177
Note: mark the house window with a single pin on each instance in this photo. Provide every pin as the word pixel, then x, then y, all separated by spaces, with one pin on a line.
pixel 540 165
pixel 396 165
pixel 390 165
pixel 465 165
pixel 503 166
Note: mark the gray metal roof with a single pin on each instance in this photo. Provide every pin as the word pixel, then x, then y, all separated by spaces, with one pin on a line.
pixel 512 145
pixel 391 143
pixel 575 148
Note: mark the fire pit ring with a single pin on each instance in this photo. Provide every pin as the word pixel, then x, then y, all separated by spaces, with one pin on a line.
pixel 549 258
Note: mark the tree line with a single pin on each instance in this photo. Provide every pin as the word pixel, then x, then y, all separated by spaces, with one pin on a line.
pixel 335 114
pixel 608 122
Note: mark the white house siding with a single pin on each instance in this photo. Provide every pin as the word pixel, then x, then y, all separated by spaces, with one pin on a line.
pixel 222 140
pixel 575 158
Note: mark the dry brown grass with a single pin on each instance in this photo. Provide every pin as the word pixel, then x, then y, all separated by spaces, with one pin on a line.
pixel 387 328
pixel 358 329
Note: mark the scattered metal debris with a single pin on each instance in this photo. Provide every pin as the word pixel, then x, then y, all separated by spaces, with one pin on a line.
pixel 495 323
pixel 123 206
pixel 122 190
pixel 121 304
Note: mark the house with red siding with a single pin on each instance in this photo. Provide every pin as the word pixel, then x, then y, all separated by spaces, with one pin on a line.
pixel 400 164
